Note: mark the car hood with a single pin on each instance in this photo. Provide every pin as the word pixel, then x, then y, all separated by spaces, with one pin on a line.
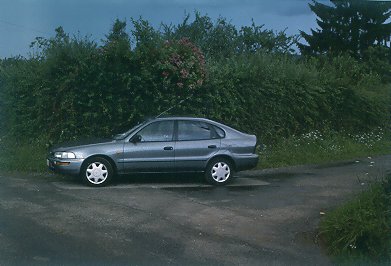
pixel 79 143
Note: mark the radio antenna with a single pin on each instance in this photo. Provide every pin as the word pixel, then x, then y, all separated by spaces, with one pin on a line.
pixel 180 102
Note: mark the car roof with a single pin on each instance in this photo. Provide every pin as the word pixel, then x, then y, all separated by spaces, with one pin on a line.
pixel 192 118
pixel 183 118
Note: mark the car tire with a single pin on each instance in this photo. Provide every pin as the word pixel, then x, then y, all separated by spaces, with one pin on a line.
pixel 219 171
pixel 97 172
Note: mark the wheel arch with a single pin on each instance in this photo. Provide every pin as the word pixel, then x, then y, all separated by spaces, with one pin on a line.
pixel 223 156
pixel 108 158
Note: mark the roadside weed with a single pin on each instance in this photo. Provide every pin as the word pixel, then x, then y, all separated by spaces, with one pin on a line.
pixel 317 147
pixel 360 230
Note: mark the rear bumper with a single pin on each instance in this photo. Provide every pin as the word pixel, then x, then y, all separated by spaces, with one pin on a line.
pixel 246 162
pixel 67 166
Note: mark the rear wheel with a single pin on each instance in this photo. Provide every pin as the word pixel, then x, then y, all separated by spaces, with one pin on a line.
pixel 219 172
pixel 97 172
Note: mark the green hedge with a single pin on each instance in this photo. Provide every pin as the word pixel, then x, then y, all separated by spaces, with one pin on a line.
pixel 277 95
pixel 72 87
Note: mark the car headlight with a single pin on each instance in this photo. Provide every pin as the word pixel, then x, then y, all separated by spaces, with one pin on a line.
pixel 65 155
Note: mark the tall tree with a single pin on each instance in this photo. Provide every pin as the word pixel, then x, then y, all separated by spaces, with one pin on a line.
pixel 348 26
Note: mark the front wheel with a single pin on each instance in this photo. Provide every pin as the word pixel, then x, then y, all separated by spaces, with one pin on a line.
pixel 219 172
pixel 97 172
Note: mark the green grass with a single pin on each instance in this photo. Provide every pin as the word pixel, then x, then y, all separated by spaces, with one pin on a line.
pixel 317 148
pixel 359 231
pixel 24 157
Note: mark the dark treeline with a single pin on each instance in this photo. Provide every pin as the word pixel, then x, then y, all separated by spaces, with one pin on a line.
pixel 249 78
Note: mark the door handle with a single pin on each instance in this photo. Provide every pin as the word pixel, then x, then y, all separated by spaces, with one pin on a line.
pixel 212 146
pixel 168 148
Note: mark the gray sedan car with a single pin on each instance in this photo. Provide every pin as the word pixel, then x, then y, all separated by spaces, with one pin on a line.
pixel 160 145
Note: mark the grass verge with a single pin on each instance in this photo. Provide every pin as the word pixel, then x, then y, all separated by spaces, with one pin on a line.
pixel 23 157
pixel 359 232
pixel 316 147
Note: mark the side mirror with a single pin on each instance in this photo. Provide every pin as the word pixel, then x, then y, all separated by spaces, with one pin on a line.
pixel 136 139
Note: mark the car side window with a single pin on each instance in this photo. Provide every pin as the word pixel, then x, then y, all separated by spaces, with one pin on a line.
pixel 194 130
pixel 157 131
pixel 219 132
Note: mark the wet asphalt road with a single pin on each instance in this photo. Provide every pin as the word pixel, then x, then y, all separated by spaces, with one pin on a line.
pixel 265 217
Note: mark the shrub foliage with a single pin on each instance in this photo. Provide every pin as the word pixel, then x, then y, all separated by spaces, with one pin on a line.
pixel 72 86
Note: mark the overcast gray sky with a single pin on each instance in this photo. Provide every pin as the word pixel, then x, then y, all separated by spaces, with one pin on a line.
pixel 23 20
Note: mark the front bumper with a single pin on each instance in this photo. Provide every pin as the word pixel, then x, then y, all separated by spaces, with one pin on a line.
pixel 64 166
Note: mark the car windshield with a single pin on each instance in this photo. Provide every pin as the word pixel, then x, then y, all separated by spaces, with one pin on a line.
pixel 123 135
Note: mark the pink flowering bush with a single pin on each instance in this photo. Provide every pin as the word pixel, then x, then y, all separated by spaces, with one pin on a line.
pixel 182 66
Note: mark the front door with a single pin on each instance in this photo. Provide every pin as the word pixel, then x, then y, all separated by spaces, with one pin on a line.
pixel 154 152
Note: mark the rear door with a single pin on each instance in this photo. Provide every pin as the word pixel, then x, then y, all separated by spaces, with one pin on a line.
pixel 196 142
